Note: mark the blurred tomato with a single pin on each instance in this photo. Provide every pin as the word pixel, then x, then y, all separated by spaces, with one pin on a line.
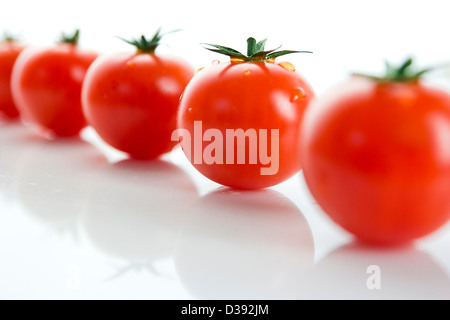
pixel 376 156
pixel 9 51
pixel 46 86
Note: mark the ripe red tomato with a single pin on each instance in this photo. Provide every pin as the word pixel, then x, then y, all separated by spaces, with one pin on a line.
pixel 46 87
pixel 376 156
pixel 239 122
pixel 9 51
pixel 131 100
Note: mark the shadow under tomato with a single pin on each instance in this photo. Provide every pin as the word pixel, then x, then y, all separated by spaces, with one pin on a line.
pixel 243 245
pixel 355 271
pixel 134 211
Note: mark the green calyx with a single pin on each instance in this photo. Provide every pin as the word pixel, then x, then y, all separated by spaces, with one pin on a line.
pixel 403 73
pixel 9 38
pixel 70 39
pixel 145 45
pixel 255 51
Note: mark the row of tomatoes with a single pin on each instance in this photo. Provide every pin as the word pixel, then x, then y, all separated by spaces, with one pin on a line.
pixel 375 151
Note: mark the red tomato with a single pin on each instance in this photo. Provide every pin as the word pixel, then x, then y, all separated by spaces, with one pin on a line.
pixel 240 121
pixel 9 51
pixel 376 156
pixel 46 87
pixel 131 100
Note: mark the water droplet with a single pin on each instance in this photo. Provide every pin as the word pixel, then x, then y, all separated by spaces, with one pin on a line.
pixel 215 62
pixel 198 70
pixel 189 109
pixel 131 64
pixel 247 72
pixel 287 65
pixel 297 94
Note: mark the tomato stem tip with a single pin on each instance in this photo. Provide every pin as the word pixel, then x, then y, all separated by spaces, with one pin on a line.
pixel 145 45
pixel 255 51
pixel 70 39
pixel 403 73
pixel 9 37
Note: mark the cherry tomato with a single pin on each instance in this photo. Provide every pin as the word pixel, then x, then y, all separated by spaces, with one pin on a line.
pixel 239 121
pixel 131 100
pixel 46 86
pixel 9 51
pixel 376 156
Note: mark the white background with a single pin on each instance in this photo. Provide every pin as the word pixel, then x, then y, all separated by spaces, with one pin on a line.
pixel 72 225
pixel 345 35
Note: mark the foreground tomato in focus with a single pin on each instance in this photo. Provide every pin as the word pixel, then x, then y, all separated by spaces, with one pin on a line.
pixel 131 100
pixel 376 156
pixel 239 121
pixel 46 86
pixel 9 51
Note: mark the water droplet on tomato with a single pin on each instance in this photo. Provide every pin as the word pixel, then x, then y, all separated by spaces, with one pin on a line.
pixel 215 62
pixel 287 65
pixel 189 109
pixel 131 64
pixel 297 94
pixel 247 72
pixel 199 69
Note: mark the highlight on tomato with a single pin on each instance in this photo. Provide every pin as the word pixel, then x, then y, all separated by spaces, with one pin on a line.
pixel 46 86
pixel 131 99
pixel 10 49
pixel 376 155
pixel 239 120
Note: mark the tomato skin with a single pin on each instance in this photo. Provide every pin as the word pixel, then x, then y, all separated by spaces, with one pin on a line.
pixel 131 100
pixel 376 158
pixel 46 86
pixel 245 96
pixel 9 51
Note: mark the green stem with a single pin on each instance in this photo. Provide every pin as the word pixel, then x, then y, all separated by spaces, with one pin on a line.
pixel 145 45
pixel 9 37
pixel 403 73
pixel 70 39
pixel 255 51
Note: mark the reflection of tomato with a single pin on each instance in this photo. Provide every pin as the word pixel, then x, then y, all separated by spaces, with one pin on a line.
pixel 9 51
pixel 244 245
pixel 131 100
pixel 376 157
pixel 253 94
pixel 359 272
pixel 135 207
pixel 51 179
pixel 46 86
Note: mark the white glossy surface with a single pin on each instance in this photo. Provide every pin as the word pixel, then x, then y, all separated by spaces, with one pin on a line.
pixel 78 221
pixel 75 224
